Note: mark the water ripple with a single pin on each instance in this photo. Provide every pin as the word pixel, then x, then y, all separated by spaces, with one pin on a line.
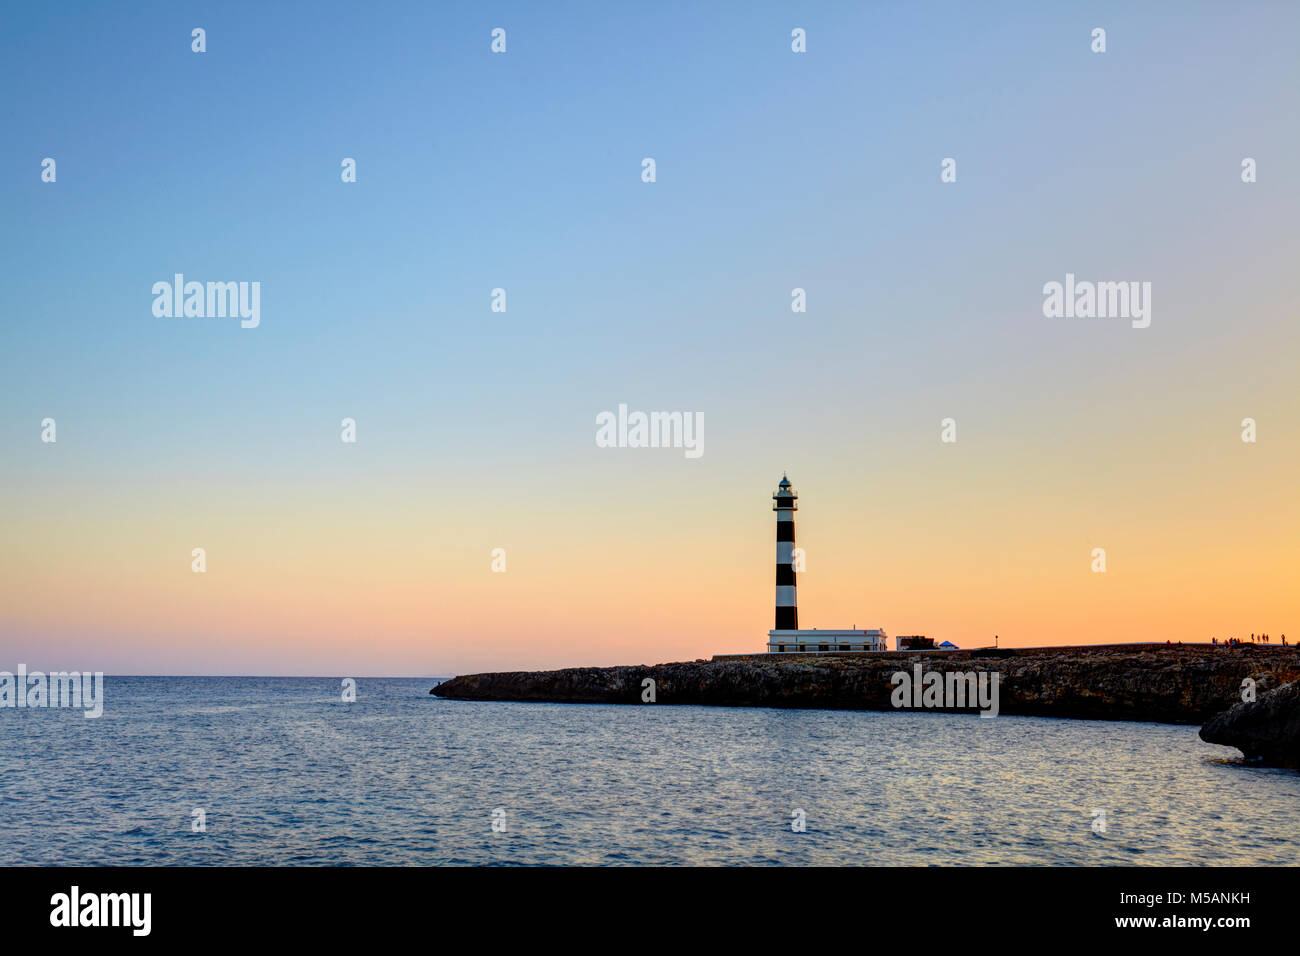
pixel 286 774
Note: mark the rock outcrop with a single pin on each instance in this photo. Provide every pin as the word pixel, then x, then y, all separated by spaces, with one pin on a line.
pixel 1266 729
pixel 1166 683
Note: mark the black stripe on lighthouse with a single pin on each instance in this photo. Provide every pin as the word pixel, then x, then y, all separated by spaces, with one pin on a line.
pixel 787 609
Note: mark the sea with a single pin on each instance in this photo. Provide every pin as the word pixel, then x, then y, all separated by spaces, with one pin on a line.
pixel 216 771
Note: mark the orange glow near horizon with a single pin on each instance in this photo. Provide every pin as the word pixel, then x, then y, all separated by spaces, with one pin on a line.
pixel 299 584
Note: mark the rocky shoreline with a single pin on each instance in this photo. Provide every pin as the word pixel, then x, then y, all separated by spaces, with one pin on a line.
pixel 1266 730
pixel 1180 683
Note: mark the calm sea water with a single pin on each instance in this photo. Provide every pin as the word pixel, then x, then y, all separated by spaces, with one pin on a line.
pixel 289 774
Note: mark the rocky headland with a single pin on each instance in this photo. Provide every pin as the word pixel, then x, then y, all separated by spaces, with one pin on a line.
pixel 1171 683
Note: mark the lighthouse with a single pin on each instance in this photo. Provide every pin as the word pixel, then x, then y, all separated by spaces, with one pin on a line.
pixel 786 503
pixel 786 638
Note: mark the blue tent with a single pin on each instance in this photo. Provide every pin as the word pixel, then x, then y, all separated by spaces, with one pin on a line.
pixel 949 645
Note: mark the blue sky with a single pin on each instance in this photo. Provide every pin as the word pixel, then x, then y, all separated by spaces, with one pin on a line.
pixel 522 171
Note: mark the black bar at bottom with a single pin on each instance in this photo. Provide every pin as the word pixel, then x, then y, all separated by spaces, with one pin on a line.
pixel 1229 906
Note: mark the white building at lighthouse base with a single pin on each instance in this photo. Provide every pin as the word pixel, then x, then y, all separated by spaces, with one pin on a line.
pixel 816 640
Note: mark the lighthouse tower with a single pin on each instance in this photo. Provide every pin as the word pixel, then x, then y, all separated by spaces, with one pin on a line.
pixel 786 638
pixel 786 504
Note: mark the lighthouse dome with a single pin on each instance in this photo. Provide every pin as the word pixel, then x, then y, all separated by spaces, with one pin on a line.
pixel 784 496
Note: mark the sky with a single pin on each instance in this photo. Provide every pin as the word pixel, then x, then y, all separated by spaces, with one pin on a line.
pixel 475 429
